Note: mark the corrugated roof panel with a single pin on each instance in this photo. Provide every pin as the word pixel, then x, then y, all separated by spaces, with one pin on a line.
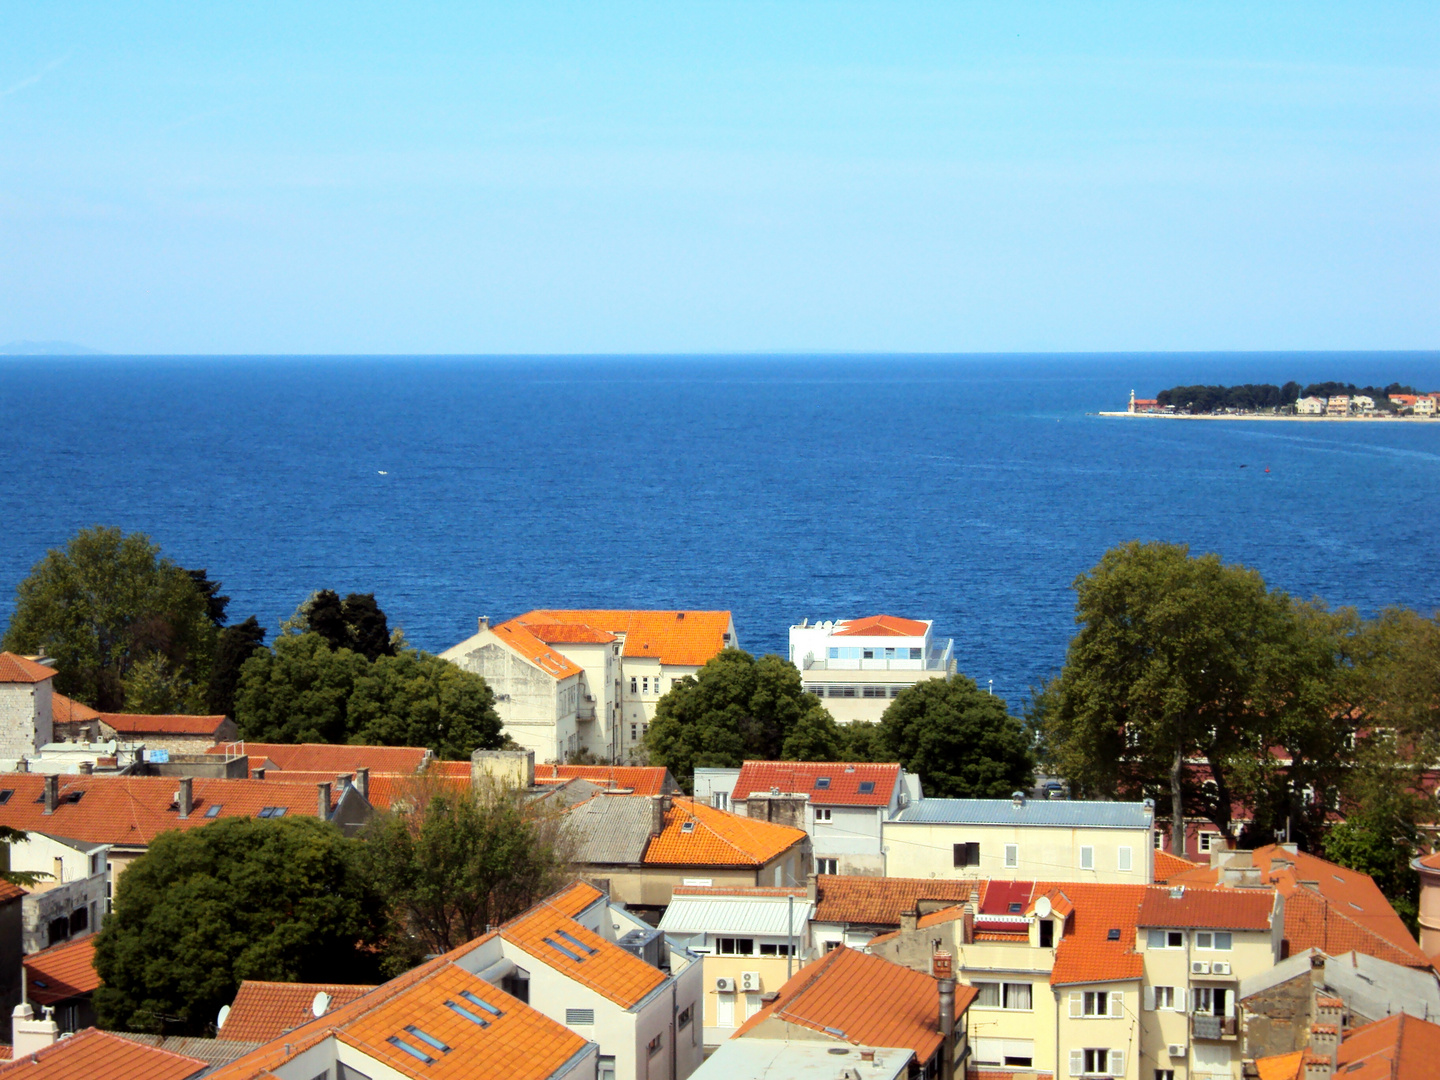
pixel 1060 813
pixel 723 915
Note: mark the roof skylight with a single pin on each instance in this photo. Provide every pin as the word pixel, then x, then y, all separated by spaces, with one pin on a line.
pixel 428 1040
pixel 214 810
pixel 573 940
pixel 474 1018
pixel 562 950
pixel 271 811
pixel 1113 934
pixel 867 787
pixel 822 783
pixel 413 1051
pixel 5 795
pixel 468 996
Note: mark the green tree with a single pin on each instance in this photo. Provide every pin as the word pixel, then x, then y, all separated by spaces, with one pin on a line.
pixel 863 740
pixel 814 737
pixel 1178 660
pixel 284 900
pixel 236 644
pixel 959 739
pixel 1397 683
pixel 415 699
pixel 106 602
pixel 355 623
pixel 736 707
pixel 451 864
pixel 299 691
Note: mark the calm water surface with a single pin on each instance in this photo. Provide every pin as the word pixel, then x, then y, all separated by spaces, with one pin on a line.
pixel 967 490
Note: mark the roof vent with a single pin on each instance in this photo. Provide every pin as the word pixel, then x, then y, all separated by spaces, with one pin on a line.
pixel 1177 892
pixel 1017 798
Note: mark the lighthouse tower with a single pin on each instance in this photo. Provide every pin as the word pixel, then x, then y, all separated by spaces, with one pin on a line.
pixel 1132 401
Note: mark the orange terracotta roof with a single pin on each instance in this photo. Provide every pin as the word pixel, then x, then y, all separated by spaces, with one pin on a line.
pixel 547 933
pixel 867 999
pixel 140 724
pixel 263 1011
pixel 641 779
pixel 64 710
pixel 882 626
pixel 1400 1047
pixel 1282 1066
pixel 1167 865
pixel 530 648
pixel 574 898
pixel 331 758
pixel 62 971
pixel 10 891
pixel 133 810
pixel 20 669
pixel 519 1044
pixel 872 901
pixel 92 1053
pixel 454 770
pixel 563 633
pixel 1006 1074
pixel 686 638
pixel 842 781
pixel 717 838
pixel 1086 953
pixel 1207 909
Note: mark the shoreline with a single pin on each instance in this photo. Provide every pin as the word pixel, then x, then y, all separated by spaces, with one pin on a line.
pixel 1261 416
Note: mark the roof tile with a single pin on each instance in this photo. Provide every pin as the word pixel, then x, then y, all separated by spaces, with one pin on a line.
pixel 882 626
pixel 263 1011
pixel 872 901
pixel 62 971
pixel 550 935
pixel 684 638
pixel 92 1053
pixel 717 838
pixel 640 779
pixel 842 781
pixel 20 669
pixel 1207 909
pixel 142 724
pixel 325 757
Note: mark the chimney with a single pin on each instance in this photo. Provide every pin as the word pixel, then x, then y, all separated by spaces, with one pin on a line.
pixel 362 781
pixel 322 802
pixel 657 815
pixel 1017 799
pixel 1317 1068
pixel 87 768
pixel 342 781
pixel 967 928
pixel 257 774
pixel 909 921
pixel 812 889
pixel 484 624
pixel 186 797
pixel 23 765
pixel 1325 1042
pixel 29 1034
pixel 52 793
pixel 941 964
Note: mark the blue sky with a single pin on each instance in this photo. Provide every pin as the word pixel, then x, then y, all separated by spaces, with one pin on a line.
pixel 696 177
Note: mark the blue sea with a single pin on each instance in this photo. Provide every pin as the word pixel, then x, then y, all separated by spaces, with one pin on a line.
pixel 968 490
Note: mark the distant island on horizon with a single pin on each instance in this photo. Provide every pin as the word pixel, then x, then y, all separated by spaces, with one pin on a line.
pixel 47 348
pixel 1266 401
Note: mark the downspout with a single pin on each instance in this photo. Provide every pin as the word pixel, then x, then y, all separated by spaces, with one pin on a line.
pixel 790 939
pixel 1057 1031
pixel 674 1030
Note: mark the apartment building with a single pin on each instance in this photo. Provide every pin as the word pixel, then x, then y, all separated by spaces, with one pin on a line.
pixel 1022 839
pixel 1310 406
pixel 567 681
pixel 859 665
pixel 1338 405
pixel 71 899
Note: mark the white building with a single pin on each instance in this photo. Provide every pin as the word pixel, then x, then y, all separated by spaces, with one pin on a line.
pixel 571 681
pixel 1425 405
pixel 859 665
pixel 1362 403
pixel 70 901
pixel 1310 406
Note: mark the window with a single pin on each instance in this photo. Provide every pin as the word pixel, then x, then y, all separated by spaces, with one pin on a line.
pixel 645 685
pixel 214 810
pixel 686 1015
pixel 517 985
pixel 895 691
pixel 5 795
pixel 1047 934
pixel 1097 1003
pixel 1219 940
pixel 1012 856
pixel 607 1068
pixel 79 920
pixel 1122 860
pixel 271 812
pixel 654 1047
pixel 1158 838
pixel 818 691
pixel 996 995
pixel 1016 1053
pixel 774 950
pixel 967 854
pixel 1097 1062
pixel 732 946
pixel 1160 997
pixel 1165 939
pixel 867 787
pixel 822 813
pixel 917 654
pixel 1210 1000
pixel 720 800
pixel 1087 858
pixel 634 733
pixel 868 654
pixel 1207 840
pixel 634 685
pixel 584 1017
pixel 827 866
pixel 1164 1074
pixel 873 691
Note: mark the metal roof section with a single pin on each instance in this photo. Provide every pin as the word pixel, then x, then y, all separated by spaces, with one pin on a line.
pixel 611 829
pixel 1041 813
pixel 765 1059
pixel 765 916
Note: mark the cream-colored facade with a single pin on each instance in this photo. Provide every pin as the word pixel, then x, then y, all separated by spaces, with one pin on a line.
pixel 1021 840
pixel 644 885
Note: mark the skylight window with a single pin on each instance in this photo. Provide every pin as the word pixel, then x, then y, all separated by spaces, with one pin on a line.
pixel 867 787
pixel 413 1051
pixel 822 783
pixel 271 811
pixel 467 1014
pixel 428 1040
pixel 1113 934
pixel 214 810
pixel 5 795
pixel 577 942
pixel 562 950
pixel 468 996
pixel 688 826
pixel 1015 907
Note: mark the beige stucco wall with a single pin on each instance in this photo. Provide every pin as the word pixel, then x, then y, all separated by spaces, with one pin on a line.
pixel 1429 912
pixel 538 710
pixel 1045 853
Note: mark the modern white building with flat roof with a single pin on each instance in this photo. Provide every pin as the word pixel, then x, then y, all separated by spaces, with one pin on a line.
pixel 859 665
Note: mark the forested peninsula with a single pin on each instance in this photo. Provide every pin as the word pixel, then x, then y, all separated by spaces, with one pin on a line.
pixel 1252 397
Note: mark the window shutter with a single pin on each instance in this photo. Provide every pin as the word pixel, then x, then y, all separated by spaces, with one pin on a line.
pixel 1117 1062
pixel 1149 999
pixel 1180 1000
pixel 1077 1062
pixel 1077 1003
pixel 975 854
pixel 960 854
pixel 1117 1003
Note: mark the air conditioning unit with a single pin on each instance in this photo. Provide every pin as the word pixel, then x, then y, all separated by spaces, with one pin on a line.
pixel 1221 967
pixel 1176 1050
pixel 1199 967
pixel 724 986
pixel 750 980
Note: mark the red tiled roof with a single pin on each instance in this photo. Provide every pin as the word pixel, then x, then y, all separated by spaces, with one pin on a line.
pixel 686 638
pixel 10 891
pixel 717 838
pixel 1207 909
pixel 882 626
pixel 867 999
pixel 874 901
pixel 19 669
pixel 331 758
pixel 133 810
pixel 141 724
pixel 563 633
pixel 555 664
pixel 641 779
pixel 66 710
pixel 843 788
pixel 1400 1047
pixel 62 971
pixel 1167 865
pixel 550 935
pixel 263 1011
pixel 1086 953
pixel 90 1054
pixel 452 770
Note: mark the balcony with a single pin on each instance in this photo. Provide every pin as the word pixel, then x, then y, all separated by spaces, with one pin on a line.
pixel 938 658
pixel 1212 1027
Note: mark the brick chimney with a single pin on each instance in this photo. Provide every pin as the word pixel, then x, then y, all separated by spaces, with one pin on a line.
pixel 362 781
pixel 944 970
pixel 322 801
pixel 52 793
pixel 186 798
pixel 1317 1068
pixel 909 921
pixel 1325 1042
pixel 657 815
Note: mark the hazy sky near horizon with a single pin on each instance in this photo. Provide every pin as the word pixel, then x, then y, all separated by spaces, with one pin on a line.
pixel 543 177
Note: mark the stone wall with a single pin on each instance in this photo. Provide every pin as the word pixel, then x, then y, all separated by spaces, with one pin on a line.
pixel 26 722
pixel 62 901
pixel 1277 1020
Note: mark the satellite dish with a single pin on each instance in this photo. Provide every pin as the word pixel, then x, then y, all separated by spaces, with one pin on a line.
pixel 1042 907
pixel 224 1015
pixel 320 1004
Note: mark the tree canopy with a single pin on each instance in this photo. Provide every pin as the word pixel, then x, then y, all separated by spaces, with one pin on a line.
pixel 737 707
pixel 302 690
pixel 281 899
pixel 127 628
pixel 355 623
pixel 962 741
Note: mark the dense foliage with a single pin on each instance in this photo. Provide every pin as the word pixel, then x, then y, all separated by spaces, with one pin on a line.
pixel 355 623
pixel 959 739
pixel 283 899
pixel 1252 397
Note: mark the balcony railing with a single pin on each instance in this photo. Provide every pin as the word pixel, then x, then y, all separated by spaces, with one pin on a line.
pixel 937 659
pixel 1212 1027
